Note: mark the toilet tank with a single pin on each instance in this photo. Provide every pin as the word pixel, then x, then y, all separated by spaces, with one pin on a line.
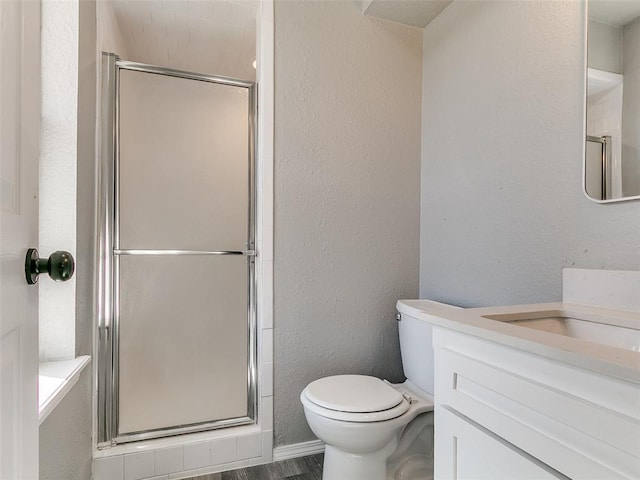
pixel 416 342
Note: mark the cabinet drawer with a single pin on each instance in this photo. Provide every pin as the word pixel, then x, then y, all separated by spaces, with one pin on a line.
pixel 512 393
pixel 465 450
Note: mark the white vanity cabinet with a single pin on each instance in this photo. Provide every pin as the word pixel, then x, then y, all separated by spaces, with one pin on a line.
pixel 467 450
pixel 506 413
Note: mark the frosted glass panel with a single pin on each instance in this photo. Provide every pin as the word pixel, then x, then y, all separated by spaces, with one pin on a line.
pixel 183 340
pixel 184 157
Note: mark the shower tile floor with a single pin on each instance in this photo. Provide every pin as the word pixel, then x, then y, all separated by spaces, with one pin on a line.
pixel 303 468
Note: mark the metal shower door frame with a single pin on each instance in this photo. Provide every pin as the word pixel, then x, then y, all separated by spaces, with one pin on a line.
pixel 108 252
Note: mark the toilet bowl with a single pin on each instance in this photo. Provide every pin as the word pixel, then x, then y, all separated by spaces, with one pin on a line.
pixel 372 429
pixel 362 419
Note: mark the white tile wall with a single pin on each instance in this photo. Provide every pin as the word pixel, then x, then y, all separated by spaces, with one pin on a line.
pixel 266 298
pixel 267 345
pixel 197 455
pixel 266 380
pixel 169 460
pixel 139 465
pixel 224 450
pixel 111 468
pixel 252 462
pixel 266 413
pixel 250 446
pixel 267 443
pixel 265 55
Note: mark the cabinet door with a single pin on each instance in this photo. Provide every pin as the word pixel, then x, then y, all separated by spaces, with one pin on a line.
pixel 465 450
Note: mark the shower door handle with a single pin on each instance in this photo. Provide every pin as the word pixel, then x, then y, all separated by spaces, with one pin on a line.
pixel 247 253
pixel 60 266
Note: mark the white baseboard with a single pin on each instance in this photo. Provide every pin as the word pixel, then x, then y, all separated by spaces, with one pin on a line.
pixel 296 450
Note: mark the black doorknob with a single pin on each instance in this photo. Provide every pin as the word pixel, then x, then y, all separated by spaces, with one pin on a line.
pixel 60 266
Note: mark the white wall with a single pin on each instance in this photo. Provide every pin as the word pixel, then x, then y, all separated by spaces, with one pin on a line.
pixel 65 436
pixel 58 161
pixel 502 205
pixel 210 36
pixel 605 47
pixel 110 37
pixel 347 163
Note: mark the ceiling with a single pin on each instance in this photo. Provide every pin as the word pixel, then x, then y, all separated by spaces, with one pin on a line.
pixel 204 36
pixel 614 12
pixel 417 13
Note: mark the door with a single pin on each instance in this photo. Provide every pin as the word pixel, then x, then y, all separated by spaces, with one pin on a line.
pixel 19 140
pixel 180 314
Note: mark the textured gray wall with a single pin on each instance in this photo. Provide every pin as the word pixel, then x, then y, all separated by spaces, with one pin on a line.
pixel 502 206
pixel 65 436
pixel 347 166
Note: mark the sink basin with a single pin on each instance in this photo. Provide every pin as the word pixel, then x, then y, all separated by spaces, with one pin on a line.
pixel 588 337
pixel 611 331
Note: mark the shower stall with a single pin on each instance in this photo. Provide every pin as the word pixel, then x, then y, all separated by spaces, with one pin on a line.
pixel 176 300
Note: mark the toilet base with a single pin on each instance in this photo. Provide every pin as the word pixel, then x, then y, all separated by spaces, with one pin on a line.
pixel 341 465
pixel 408 456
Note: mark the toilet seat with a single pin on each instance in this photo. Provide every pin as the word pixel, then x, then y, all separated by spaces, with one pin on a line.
pixel 354 398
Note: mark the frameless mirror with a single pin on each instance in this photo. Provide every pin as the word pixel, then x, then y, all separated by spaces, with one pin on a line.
pixel 612 153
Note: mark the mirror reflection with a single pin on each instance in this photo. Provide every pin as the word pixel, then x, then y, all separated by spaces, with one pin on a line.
pixel 612 160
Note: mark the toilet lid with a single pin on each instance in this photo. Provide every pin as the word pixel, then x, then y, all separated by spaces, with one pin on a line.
pixel 353 393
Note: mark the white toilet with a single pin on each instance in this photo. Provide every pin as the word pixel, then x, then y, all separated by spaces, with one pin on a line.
pixel 374 430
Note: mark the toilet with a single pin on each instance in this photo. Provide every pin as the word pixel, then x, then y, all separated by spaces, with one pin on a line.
pixel 372 429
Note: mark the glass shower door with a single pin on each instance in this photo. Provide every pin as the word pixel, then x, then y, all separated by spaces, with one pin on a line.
pixel 182 254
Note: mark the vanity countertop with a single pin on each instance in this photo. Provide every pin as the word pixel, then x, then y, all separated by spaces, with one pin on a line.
pixel 623 363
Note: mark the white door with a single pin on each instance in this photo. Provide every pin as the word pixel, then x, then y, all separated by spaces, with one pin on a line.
pixel 19 140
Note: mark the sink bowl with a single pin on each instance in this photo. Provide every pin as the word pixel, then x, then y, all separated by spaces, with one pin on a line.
pixel 587 337
pixel 611 331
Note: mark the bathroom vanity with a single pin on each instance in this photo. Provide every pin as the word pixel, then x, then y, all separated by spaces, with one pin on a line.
pixel 536 391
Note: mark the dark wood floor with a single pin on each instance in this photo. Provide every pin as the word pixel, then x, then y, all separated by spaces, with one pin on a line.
pixel 303 468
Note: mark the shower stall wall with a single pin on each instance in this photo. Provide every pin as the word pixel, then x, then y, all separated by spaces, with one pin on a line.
pixel 176 289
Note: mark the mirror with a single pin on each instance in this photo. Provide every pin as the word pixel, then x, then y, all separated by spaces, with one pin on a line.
pixel 612 153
